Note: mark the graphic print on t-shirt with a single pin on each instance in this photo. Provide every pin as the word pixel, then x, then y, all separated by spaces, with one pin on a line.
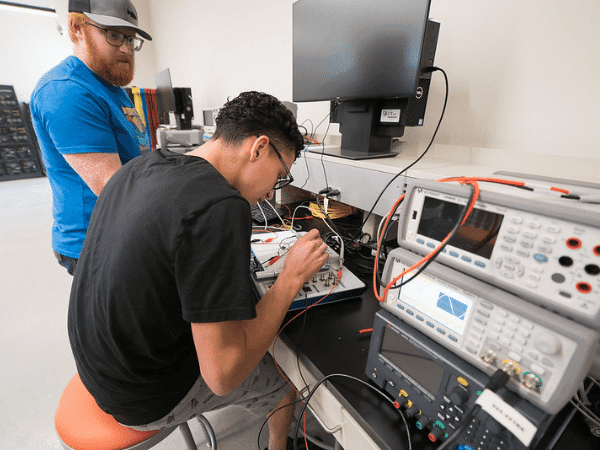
pixel 140 129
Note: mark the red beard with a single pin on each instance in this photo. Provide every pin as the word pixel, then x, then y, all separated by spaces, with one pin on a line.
pixel 116 68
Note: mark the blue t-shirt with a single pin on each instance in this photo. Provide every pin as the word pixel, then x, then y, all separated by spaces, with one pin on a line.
pixel 75 111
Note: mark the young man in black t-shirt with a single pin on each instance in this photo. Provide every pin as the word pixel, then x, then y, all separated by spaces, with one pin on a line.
pixel 163 321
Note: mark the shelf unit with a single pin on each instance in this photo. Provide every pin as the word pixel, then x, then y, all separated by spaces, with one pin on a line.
pixel 19 152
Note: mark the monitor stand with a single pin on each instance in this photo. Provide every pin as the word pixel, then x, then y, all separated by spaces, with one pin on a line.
pixel 367 132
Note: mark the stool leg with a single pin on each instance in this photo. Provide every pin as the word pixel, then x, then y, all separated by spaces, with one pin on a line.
pixel 208 431
pixel 187 436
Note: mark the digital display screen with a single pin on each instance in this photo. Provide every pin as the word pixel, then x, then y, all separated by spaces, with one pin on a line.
pixel 477 235
pixel 412 361
pixel 446 306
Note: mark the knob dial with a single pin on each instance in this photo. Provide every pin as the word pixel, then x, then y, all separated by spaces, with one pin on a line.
pixel 423 422
pixel 435 434
pixel 489 357
pixel 411 412
pixel 459 396
pixel 532 381
pixel 547 343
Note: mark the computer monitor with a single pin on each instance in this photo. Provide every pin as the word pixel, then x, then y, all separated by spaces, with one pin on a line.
pixel 165 96
pixel 176 100
pixel 366 57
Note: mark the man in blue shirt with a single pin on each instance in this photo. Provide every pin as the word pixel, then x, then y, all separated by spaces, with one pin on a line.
pixel 86 124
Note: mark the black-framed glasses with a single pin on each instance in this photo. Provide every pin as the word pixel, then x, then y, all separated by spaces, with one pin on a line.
pixel 282 182
pixel 116 38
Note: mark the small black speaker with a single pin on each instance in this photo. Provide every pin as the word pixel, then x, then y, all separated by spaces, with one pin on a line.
pixel 184 110
pixel 417 104
pixel 415 112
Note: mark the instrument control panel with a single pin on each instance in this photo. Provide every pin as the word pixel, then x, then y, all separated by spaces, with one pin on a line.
pixel 546 251
pixel 438 389
pixel 489 327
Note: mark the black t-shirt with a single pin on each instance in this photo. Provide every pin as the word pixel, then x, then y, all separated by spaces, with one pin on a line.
pixel 168 245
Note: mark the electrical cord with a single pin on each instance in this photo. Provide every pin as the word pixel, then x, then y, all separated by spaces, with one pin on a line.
pixel 277 213
pixel 262 211
pixel 373 388
pixel 323 144
pixel 471 205
pixel 329 223
pixel 474 181
pixel 327 188
pixel 304 311
pixel 431 256
pixel 582 405
pixel 270 415
pixel 429 69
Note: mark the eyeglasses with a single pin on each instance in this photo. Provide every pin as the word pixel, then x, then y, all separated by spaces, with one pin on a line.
pixel 282 182
pixel 116 38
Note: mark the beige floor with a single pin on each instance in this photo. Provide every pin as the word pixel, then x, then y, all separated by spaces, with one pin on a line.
pixel 36 361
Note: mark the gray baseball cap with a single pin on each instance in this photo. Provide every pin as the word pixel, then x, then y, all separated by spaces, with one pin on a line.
pixel 110 13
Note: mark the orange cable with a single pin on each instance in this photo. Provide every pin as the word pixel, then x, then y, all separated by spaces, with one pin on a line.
pixel 462 180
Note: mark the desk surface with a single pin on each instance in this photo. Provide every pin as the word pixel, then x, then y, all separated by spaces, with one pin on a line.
pixel 328 342
pixel 361 182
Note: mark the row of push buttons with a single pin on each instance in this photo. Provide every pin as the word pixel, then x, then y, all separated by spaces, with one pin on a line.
pixel 430 324
pixel 454 254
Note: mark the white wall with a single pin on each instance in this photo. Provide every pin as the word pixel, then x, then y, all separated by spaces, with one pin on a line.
pixel 523 74
pixel 31 45
pixel 223 48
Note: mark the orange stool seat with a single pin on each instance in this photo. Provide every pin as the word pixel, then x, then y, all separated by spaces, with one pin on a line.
pixel 82 425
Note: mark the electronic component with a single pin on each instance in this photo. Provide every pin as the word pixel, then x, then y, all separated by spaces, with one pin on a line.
pixel 438 388
pixel 166 137
pixel 267 262
pixel 543 249
pixel 488 327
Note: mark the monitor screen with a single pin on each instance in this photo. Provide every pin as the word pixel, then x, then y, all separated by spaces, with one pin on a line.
pixel 357 49
pixel 444 305
pixel 176 100
pixel 366 57
pixel 478 235
pixel 165 95
pixel 412 361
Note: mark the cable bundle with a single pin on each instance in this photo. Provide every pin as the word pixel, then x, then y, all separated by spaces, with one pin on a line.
pixel 334 210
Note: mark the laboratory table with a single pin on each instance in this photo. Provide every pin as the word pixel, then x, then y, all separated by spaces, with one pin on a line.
pixel 327 340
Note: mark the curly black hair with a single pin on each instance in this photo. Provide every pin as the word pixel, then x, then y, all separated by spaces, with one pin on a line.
pixel 256 113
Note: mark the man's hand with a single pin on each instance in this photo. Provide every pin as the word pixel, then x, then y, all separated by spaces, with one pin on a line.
pixel 228 351
pixel 305 258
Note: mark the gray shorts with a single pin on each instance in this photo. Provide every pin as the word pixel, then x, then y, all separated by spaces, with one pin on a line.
pixel 259 393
